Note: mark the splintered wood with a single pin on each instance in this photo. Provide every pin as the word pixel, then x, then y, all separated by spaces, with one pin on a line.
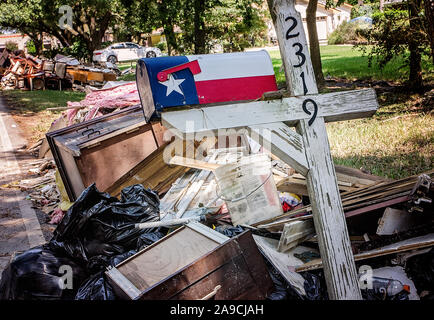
pixel 377 196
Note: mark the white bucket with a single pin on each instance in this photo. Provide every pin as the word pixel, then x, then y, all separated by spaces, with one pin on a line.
pixel 249 189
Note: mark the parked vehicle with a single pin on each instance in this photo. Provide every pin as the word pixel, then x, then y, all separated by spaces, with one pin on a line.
pixel 125 51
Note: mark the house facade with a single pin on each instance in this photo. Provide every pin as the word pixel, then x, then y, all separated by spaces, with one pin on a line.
pixel 21 41
pixel 327 20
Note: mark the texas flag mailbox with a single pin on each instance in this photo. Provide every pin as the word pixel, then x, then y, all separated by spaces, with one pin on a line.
pixel 166 82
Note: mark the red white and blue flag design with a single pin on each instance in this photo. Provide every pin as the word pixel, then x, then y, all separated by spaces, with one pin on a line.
pixel 209 78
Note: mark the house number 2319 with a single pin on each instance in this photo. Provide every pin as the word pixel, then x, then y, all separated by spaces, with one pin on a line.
pixel 302 60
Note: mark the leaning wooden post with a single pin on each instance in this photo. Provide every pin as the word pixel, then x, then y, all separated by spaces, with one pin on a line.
pixel 329 219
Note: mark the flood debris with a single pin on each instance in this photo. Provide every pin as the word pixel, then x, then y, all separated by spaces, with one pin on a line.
pixel 143 213
pixel 24 71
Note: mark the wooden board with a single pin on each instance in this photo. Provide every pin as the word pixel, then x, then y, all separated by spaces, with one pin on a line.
pixel 236 266
pixel 108 160
pixel 401 246
pixel 294 233
pixel 168 255
pixel 334 107
pixel 283 262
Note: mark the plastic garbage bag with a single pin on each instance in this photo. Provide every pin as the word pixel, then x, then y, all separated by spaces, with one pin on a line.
pixel 230 231
pixel 96 288
pixel 39 274
pixel 97 231
pixel 282 289
pixel 100 225
pixel 420 269
pixel 314 285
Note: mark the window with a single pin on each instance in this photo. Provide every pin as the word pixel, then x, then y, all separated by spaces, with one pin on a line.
pixel 132 45
pixel 118 46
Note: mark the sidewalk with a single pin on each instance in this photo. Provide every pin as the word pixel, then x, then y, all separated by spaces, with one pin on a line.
pixel 19 225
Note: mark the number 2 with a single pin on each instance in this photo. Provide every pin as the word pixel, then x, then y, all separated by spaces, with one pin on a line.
pixel 292 27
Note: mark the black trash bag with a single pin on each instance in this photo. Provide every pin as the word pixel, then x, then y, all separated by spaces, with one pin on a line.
pixel 420 269
pixel 36 275
pixel 98 225
pixel 230 231
pixel 282 289
pixel 96 288
pixel 315 287
pixel 147 239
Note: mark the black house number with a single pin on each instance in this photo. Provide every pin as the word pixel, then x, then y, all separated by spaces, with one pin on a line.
pixel 302 60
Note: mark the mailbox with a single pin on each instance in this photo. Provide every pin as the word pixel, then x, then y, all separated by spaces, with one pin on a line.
pixel 166 82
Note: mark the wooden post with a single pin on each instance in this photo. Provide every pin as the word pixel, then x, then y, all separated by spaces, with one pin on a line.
pixel 328 214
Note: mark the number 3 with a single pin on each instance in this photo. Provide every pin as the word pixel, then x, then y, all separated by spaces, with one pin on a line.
pixel 300 54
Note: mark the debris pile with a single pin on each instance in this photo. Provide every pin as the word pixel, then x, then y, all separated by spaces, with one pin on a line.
pixel 24 71
pixel 227 218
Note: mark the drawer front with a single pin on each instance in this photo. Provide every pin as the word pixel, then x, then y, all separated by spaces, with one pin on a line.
pixel 234 279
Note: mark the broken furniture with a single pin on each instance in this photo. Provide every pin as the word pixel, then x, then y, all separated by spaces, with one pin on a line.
pixel 194 262
pixel 90 75
pixel 103 149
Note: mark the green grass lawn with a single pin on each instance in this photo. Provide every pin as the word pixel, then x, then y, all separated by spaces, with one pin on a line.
pixel 398 141
pixel 349 63
pixel 130 76
pixel 28 108
pixel 38 100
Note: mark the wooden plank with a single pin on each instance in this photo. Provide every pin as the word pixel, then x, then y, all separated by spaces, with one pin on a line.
pixel 394 221
pixel 333 239
pixel 164 259
pixel 282 262
pixel 377 206
pixel 284 143
pixel 192 163
pixel 334 106
pixel 401 246
pixel 294 233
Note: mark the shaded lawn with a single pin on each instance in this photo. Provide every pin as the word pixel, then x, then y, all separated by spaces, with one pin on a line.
pixel 398 141
pixel 28 108
pixel 347 62
pixel 38 100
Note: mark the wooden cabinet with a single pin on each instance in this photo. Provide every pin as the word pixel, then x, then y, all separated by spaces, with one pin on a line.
pixel 102 150
pixel 192 263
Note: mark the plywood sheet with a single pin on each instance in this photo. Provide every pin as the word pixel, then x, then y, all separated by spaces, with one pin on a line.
pixel 167 257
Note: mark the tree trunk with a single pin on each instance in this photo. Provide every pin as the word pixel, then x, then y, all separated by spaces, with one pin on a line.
pixel 199 27
pixel 38 41
pixel 167 23
pixel 429 13
pixel 315 54
pixel 415 78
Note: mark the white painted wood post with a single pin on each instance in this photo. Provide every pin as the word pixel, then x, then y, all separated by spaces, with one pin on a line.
pixel 328 214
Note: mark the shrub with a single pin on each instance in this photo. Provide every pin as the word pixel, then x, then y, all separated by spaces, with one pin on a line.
pixel 11 46
pixel 162 46
pixel 30 45
pixel 347 33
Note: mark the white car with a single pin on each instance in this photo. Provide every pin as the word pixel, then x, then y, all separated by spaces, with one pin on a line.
pixel 124 51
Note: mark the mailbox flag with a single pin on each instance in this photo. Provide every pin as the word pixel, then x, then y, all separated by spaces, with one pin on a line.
pixel 200 79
